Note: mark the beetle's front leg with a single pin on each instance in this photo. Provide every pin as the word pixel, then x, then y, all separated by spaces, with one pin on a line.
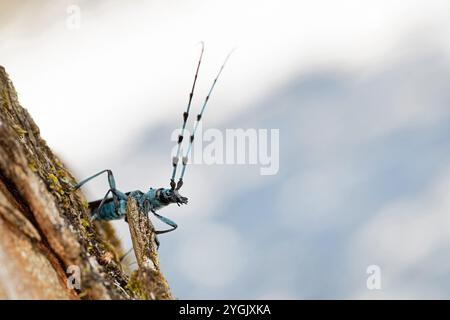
pixel 166 221
pixel 156 242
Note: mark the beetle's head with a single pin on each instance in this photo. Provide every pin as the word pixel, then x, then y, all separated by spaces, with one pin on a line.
pixel 168 196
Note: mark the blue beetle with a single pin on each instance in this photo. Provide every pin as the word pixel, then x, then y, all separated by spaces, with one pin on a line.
pixel 114 207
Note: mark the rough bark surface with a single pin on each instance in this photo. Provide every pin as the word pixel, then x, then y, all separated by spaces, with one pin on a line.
pixel 148 279
pixel 46 237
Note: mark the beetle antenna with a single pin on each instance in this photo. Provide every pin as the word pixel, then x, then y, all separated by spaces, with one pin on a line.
pixel 185 117
pixel 199 118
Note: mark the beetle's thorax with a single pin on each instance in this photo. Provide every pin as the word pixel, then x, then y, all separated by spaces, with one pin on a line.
pixel 159 198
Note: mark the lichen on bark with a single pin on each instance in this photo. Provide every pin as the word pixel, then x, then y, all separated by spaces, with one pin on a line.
pixel 45 226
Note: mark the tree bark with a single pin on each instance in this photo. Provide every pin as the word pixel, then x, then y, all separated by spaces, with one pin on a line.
pixel 49 249
pixel 150 283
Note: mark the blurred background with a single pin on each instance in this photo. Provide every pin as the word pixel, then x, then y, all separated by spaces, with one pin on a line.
pixel 358 89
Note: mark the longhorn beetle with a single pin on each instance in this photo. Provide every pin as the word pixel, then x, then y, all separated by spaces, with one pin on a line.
pixel 114 207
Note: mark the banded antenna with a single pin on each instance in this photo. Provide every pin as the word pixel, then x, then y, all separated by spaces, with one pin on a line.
pixel 199 117
pixel 185 117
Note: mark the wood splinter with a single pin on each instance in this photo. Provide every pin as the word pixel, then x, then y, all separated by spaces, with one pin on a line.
pixel 148 281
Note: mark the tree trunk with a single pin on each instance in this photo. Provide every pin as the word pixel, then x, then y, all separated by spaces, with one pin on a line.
pixel 49 249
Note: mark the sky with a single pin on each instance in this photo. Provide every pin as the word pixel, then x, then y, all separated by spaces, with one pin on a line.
pixel 357 89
